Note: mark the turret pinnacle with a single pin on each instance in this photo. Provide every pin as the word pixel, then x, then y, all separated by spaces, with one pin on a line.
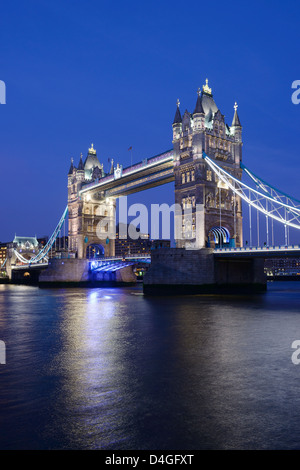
pixel 80 166
pixel 236 120
pixel 199 108
pixel 206 88
pixel 71 167
pixel 177 118
pixel 111 167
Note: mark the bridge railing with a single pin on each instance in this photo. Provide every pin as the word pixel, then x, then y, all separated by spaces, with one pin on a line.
pixel 120 258
pixel 258 248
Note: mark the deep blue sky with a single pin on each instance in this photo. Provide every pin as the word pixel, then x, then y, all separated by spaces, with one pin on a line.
pixel 110 73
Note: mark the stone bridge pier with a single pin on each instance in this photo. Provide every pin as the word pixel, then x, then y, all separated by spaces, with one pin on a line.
pixel 181 271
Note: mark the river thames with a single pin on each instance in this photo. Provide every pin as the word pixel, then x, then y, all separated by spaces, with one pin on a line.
pixel 108 368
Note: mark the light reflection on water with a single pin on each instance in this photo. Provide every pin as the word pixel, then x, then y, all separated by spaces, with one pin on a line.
pixel 112 369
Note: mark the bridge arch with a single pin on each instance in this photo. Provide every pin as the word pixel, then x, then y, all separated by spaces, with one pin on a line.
pixel 94 251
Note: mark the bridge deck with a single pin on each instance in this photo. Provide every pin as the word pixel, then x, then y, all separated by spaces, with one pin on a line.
pixel 260 251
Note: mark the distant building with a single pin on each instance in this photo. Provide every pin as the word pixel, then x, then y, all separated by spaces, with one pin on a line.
pixel 3 253
pixel 142 245
pixel 282 267
pixel 27 247
pixel 25 243
pixel 61 244
pixel 42 241
pixel 157 244
pixel 128 246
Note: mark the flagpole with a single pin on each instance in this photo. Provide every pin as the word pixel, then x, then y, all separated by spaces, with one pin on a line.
pixel 130 148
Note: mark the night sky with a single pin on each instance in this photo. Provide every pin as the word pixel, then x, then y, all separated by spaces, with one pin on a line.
pixel 110 73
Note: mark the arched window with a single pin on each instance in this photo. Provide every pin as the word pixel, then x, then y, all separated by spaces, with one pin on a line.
pixel 94 251
pixel 220 235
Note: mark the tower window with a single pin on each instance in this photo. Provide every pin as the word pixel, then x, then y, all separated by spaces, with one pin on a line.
pixel 183 178
pixel 209 175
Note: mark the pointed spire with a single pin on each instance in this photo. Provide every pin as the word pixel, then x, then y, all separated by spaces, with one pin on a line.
pixel 111 167
pixel 198 107
pixel 236 120
pixel 80 166
pixel 71 167
pixel 177 118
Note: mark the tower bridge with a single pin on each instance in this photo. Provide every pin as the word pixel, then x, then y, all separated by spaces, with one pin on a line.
pixel 206 167
pixel 92 194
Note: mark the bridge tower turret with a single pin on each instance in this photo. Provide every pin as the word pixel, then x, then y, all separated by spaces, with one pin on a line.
pixel 199 126
pixel 177 128
pixel 236 130
pixel 213 215
pixel 87 237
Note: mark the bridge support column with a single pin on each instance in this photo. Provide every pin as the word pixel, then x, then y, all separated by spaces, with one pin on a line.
pixel 240 273
pixel 73 271
pixel 123 275
pixel 179 271
pixel 8 268
pixel 65 271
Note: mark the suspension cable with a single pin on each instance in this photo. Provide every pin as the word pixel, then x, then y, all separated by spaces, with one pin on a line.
pixel 42 254
pixel 241 190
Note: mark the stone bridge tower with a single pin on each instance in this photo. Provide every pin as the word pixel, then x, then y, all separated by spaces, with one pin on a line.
pixel 90 217
pixel 214 212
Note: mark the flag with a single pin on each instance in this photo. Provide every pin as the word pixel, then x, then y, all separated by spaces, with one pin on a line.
pixel 130 148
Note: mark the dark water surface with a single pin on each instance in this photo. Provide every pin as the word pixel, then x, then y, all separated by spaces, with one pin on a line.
pixel 112 369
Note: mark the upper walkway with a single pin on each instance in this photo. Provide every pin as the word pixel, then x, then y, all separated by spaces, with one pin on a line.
pixel 143 175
